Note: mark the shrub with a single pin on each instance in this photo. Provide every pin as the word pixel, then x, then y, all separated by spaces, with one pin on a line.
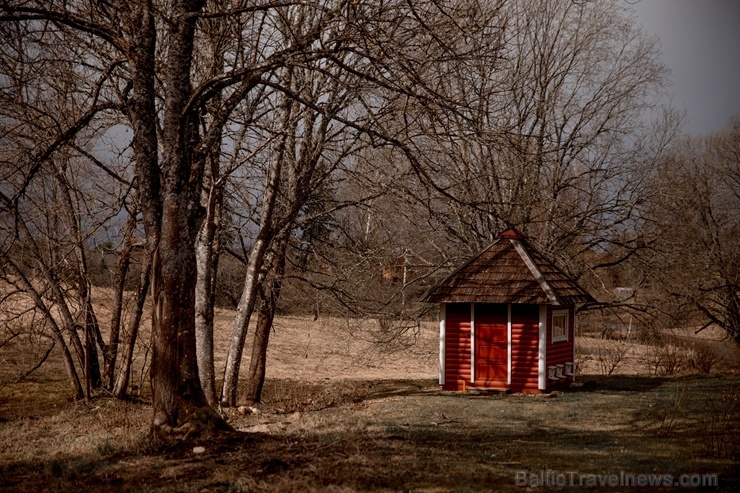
pixel 673 358
pixel 666 414
pixel 704 358
pixel 667 357
pixel 611 354
pixel 723 423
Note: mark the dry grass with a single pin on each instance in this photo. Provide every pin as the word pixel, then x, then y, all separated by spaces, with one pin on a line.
pixel 394 435
pixel 341 414
pixel 674 355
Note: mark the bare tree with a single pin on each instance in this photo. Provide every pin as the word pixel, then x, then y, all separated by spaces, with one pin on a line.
pixel 324 105
pixel 269 293
pixel 553 131
pixel 138 61
pixel 497 113
pixel 556 138
pixel 51 113
pixel 694 268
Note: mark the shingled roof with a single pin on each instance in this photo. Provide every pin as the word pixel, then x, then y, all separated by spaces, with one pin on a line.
pixel 509 270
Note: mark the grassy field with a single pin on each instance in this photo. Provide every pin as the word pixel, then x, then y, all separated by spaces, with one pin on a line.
pixel 339 414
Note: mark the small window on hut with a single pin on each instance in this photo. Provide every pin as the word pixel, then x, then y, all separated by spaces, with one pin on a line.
pixel 559 325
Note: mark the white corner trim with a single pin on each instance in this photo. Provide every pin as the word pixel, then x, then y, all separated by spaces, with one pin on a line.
pixel 542 370
pixel 574 344
pixel 535 272
pixel 442 341
pixel 508 353
pixel 472 343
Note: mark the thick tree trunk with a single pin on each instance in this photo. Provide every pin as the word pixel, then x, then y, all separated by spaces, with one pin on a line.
pixel 175 383
pixel 177 392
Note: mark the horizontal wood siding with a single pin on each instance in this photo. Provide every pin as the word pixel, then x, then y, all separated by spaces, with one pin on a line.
pixel 525 332
pixel 561 352
pixel 457 345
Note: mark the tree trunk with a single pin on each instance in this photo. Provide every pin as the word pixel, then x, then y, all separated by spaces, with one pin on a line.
pixel 257 364
pixel 69 365
pixel 269 296
pixel 68 323
pixel 208 243
pixel 127 354
pixel 175 382
pixel 207 254
pixel 142 38
pixel 71 209
pixel 119 284
pixel 256 256
pixel 241 323
pixel 177 392
pixel 92 336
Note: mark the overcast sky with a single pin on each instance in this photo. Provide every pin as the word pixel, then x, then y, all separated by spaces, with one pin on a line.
pixel 700 40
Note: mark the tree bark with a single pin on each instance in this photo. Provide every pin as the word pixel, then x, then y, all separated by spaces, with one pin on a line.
pixel 175 382
pixel 119 284
pixel 269 296
pixel 264 237
pixel 207 255
pixel 127 353
pixel 176 388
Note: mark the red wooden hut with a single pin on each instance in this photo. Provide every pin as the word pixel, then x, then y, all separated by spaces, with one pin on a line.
pixel 507 320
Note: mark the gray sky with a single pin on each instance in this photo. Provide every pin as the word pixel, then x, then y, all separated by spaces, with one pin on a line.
pixel 700 40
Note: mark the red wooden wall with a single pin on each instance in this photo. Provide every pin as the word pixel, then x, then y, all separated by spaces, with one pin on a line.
pixel 491 347
pixel 525 336
pixel 457 345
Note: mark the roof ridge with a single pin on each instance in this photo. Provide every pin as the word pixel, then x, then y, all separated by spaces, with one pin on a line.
pixel 534 270
pixel 510 271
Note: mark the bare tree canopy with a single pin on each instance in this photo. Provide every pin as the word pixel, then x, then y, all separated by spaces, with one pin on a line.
pixel 184 76
pixel 345 155
pixel 694 269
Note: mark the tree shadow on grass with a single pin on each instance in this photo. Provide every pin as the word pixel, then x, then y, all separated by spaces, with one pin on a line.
pixel 398 447
pixel 457 457
pixel 617 383
pixel 585 383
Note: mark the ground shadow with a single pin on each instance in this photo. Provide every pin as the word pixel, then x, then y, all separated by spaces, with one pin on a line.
pixel 460 457
pixel 616 383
